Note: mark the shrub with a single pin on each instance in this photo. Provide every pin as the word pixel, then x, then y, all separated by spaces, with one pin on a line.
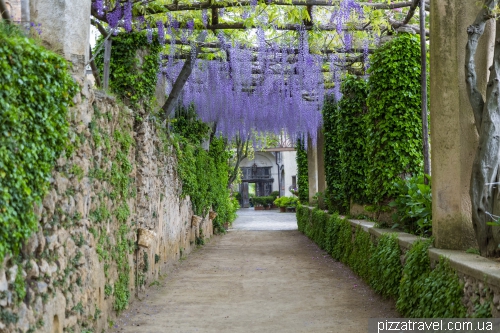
pixel 386 266
pixel 286 202
pixel 414 205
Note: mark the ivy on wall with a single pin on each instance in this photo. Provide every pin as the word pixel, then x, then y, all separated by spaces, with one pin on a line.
pixel 335 197
pixel 36 90
pixel 302 173
pixel 394 127
pixel 204 174
pixel 352 135
pixel 133 67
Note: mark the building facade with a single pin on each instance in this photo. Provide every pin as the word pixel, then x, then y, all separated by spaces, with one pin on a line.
pixel 267 172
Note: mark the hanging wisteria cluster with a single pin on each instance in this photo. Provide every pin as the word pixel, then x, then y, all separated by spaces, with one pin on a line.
pixel 270 89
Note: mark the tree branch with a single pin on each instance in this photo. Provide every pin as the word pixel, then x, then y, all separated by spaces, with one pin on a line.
pixel 409 15
pixel 99 27
pixel 181 79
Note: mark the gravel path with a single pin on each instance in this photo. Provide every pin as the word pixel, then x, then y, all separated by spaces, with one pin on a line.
pixel 263 276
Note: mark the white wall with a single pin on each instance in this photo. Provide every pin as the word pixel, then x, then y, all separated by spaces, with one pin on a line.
pixel 290 165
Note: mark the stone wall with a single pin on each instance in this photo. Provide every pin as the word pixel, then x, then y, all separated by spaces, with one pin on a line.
pixel 84 265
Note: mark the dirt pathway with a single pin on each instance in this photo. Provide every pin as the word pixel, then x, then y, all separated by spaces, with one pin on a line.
pixel 258 281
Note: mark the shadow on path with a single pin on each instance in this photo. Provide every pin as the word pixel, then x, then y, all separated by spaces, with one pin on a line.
pixel 258 281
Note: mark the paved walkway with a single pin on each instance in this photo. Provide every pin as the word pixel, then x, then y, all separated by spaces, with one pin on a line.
pixel 263 276
pixel 250 219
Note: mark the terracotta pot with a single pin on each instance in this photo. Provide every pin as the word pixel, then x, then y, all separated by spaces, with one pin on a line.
pixel 258 208
pixel 282 209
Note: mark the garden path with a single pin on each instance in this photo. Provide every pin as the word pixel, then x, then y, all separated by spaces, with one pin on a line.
pixel 263 276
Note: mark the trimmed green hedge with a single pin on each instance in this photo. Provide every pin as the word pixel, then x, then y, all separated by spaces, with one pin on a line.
pixel 420 291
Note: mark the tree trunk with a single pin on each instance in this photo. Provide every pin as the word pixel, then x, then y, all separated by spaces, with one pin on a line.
pixel 425 123
pixel 487 117
pixel 181 80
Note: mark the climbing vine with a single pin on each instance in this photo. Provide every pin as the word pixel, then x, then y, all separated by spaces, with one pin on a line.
pixel 204 174
pixel 335 196
pixel 36 90
pixel 133 67
pixel 302 175
pixel 394 127
pixel 352 138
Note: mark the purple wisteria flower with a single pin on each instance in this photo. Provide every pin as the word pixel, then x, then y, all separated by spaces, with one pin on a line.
pixel 99 7
pixel 204 17
pixel 280 95
pixel 149 33
pixel 115 16
pixel 161 32
pixel 127 16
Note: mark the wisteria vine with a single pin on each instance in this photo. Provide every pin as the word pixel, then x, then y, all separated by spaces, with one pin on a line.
pixel 271 88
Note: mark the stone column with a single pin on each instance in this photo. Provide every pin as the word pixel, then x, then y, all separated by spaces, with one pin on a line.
pixel 65 28
pixel 320 153
pixel 312 168
pixel 453 135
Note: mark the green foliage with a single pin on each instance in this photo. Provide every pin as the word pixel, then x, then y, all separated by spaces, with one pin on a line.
pixel 394 128
pixel 351 133
pixel 318 230
pixel 302 173
pixel 187 125
pixel 414 205
pixel 19 285
pixel 420 292
pixel 442 294
pixel 417 267
pixel 204 174
pixel 343 245
pixel 132 80
pixel 303 214
pixel 286 202
pixel 332 229
pixel 359 259
pixel 263 201
pixel 386 266
pixel 8 317
pixel 429 294
pixel 36 91
pixel 336 199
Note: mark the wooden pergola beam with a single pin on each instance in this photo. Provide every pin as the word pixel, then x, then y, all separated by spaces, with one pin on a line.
pixel 246 3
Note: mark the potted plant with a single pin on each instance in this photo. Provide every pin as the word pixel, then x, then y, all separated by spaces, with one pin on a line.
pixel 258 203
pixel 286 203
pixel 281 203
pixel 292 204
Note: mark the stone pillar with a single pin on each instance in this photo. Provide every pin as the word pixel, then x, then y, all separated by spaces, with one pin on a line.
pixel 312 168
pixel 65 26
pixel 320 153
pixel 453 134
